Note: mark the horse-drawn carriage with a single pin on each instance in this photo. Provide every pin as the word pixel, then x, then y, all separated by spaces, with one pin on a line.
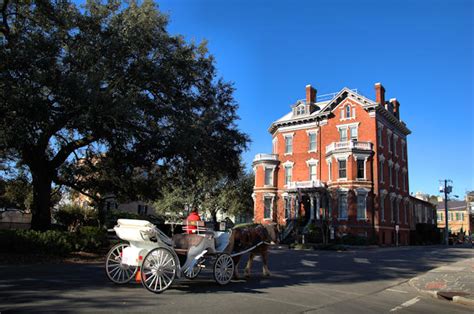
pixel 157 260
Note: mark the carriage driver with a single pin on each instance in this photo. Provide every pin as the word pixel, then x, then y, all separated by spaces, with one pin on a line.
pixel 193 216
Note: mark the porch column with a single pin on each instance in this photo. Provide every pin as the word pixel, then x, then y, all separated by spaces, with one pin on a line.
pixel 311 200
pixel 293 207
pixel 297 207
pixel 318 205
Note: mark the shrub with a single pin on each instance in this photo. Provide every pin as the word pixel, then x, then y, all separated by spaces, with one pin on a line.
pixel 90 239
pixel 52 242
pixel 73 216
pixel 30 241
pixel 351 239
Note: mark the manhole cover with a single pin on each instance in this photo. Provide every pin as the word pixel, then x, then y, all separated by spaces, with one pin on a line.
pixel 450 294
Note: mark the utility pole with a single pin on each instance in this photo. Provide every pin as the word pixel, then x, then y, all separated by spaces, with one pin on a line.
pixel 446 187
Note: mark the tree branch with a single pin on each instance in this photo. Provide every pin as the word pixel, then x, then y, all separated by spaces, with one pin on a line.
pixel 75 188
pixel 69 148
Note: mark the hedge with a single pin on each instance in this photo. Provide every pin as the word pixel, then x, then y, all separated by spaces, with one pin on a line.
pixel 52 242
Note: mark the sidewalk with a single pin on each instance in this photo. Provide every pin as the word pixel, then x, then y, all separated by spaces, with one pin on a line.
pixel 453 282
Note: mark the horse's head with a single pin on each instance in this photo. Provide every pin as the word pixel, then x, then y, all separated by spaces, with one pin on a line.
pixel 272 230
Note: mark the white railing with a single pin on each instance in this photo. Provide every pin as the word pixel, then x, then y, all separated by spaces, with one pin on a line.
pixel 326 97
pixel 260 157
pixel 304 184
pixel 336 146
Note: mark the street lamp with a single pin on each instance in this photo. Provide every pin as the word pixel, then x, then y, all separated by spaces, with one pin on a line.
pixel 446 187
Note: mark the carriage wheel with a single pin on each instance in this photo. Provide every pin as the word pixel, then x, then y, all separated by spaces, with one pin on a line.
pixel 194 272
pixel 158 270
pixel 118 272
pixel 223 269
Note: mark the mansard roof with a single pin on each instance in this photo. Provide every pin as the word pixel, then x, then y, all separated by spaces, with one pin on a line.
pixel 325 108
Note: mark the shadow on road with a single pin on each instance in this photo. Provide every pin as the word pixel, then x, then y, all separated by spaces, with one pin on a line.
pixel 74 286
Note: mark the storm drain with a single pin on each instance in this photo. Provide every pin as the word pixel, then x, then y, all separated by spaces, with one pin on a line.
pixel 449 295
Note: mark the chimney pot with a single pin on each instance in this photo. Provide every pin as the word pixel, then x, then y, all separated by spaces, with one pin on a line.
pixel 380 94
pixel 310 94
pixel 396 107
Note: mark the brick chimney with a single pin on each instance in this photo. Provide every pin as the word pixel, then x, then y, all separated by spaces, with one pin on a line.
pixel 396 107
pixel 379 94
pixel 310 94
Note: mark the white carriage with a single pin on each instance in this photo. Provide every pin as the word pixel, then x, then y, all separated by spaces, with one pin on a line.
pixel 157 256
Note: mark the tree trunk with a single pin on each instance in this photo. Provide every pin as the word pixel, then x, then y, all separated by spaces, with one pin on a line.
pixel 41 207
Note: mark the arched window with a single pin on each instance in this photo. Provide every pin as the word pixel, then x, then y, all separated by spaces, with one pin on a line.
pixel 348 112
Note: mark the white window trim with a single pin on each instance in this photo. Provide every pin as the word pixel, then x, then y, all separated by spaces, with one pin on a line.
pixel 275 145
pixel 343 107
pixel 380 127
pixel 389 140
pixel 285 136
pixel 312 162
pixel 403 149
pixel 272 179
pixel 344 193
pixel 272 197
pixel 392 210
pixel 347 125
pixel 285 176
pixel 395 140
pixel 329 163
pixel 383 195
pixel 390 175
pixel 405 211
pixel 315 132
pixel 362 192
pixel 365 158
pixel 398 208
pixel 381 170
pixel 341 159
pixel 346 128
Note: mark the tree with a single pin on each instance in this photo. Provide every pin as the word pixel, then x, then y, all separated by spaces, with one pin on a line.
pixel 212 194
pixel 105 94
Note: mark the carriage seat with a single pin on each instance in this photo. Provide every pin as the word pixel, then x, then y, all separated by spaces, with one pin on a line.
pixel 134 229
pixel 182 242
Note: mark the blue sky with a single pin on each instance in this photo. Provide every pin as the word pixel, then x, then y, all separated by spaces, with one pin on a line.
pixel 421 51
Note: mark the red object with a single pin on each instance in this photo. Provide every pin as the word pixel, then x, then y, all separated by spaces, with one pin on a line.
pixel 193 216
pixel 138 276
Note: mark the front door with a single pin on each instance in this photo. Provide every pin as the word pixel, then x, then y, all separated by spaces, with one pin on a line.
pixel 305 209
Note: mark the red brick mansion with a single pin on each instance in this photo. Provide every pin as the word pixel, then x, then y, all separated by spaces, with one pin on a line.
pixel 343 159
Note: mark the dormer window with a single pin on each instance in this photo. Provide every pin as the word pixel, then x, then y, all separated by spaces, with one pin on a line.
pixel 300 110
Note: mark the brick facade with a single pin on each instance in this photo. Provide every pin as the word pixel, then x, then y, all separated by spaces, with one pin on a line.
pixel 331 161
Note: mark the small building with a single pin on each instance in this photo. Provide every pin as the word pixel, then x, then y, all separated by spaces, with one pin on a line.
pixel 459 217
pixel 423 226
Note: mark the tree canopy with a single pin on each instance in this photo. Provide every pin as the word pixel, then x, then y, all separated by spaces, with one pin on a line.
pixel 232 195
pixel 103 97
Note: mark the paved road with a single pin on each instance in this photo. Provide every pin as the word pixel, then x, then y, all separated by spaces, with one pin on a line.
pixel 356 281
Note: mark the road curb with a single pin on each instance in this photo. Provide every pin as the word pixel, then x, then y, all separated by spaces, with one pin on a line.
pixel 434 294
pixel 430 293
pixel 463 300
